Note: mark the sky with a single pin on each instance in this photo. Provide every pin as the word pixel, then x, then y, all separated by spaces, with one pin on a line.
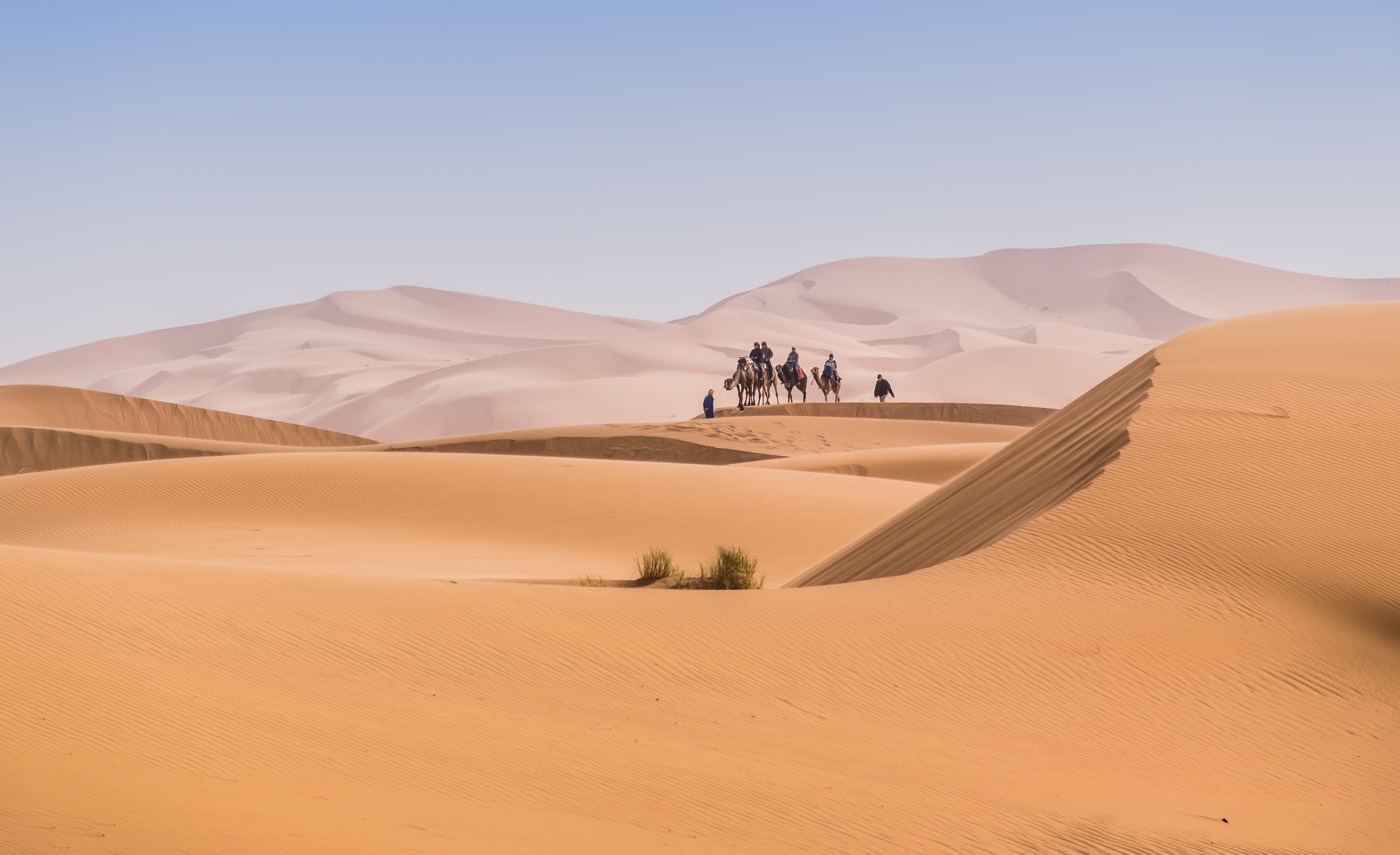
pixel 172 163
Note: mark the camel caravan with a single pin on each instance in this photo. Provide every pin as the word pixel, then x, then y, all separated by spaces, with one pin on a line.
pixel 756 379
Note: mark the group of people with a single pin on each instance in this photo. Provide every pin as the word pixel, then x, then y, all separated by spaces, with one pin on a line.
pixel 762 358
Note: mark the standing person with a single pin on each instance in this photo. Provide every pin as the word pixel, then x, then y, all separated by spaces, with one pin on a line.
pixel 710 405
pixel 882 388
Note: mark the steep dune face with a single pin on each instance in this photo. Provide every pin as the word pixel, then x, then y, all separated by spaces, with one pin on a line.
pixel 1196 652
pixel 1028 327
pixel 990 500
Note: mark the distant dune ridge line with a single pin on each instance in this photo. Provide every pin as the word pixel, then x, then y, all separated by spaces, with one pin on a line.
pixel 1029 327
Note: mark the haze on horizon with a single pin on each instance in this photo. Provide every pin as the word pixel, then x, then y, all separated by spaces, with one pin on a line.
pixel 165 164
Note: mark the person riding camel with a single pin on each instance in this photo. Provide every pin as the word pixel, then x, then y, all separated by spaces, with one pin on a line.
pixel 768 358
pixel 793 371
pixel 829 369
pixel 756 357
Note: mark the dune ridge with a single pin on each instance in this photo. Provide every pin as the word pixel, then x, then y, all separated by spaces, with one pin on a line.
pixel 939 411
pixel 83 409
pixel 25 449
pixel 1054 460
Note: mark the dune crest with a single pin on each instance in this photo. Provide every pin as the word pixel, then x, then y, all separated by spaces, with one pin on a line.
pixel 80 409
pixel 1055 459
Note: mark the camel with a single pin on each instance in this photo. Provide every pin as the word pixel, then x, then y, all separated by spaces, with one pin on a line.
pixel 791 379
pixel 828 385
pixel 768 385
pixel 744 382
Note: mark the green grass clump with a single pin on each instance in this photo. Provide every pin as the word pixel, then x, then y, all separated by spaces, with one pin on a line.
pixel 592 582
pixel 654 565
pixel 733 570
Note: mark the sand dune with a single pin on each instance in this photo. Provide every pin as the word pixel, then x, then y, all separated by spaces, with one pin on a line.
pixel 1058 457
pixel 59 407
pixel 455 516
pixel 24 450
pixel 1027 327
pixel 993 414
pixel 929 464
pixel 1195 652
pixel 714 442
pixel 721 440
pixel 51 427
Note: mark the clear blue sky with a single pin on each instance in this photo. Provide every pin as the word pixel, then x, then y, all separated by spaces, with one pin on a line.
pixel 168 163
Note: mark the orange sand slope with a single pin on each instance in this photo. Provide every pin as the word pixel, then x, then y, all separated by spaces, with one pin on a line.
pixel 25 449
pixel 925 464
pixel 1209 630
pixel 722 440
pixel 53 427
pixel 81 409
pixel 442 516
pixel 994 414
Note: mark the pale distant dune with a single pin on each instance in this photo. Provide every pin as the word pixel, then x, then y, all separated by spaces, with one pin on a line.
pixel 1165 619
pixel 1029 327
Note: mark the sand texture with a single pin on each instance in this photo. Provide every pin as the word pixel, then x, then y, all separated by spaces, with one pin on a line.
pixel 1035 328
pixel 1166 618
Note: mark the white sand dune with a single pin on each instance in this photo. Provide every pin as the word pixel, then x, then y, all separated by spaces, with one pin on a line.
pixel 1031 327
pixel 1185 639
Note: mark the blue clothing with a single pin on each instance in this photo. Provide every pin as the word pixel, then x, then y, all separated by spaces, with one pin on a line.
pixel 709 406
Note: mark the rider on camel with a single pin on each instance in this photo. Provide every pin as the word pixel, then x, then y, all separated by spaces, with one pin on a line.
pixel 829 370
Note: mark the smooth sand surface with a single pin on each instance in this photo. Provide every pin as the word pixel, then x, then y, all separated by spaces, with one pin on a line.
pixel 925 464
pixel 1032 327
pixel 1185 639
pixel 445 516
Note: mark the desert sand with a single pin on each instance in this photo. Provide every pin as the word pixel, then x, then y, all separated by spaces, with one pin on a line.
pixel 1032 327
pixel 1163 618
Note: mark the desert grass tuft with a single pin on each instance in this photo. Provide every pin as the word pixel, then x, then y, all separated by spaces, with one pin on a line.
pixel 733 570
pixel 654 565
